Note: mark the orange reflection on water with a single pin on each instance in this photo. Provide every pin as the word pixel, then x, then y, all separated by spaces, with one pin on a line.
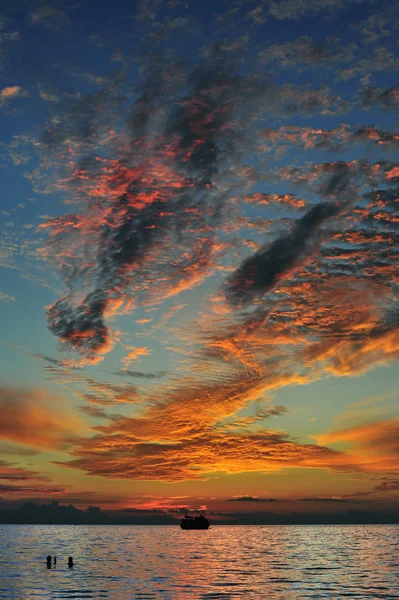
pixel 255 562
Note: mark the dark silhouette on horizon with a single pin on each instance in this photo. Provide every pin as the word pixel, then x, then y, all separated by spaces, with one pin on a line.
pixel 58 514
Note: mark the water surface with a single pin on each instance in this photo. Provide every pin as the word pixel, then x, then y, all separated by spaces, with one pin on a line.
pixel 225 562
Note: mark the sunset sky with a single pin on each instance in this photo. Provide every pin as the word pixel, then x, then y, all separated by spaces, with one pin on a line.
pixel 199 254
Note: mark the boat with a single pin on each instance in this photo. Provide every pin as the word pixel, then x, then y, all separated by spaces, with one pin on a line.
pixel 194 522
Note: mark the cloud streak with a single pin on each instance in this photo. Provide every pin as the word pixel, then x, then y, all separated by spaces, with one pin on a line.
pixel 33 417
pixel 260 273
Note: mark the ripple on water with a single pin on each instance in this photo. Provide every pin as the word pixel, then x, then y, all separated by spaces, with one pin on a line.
pixel 151 563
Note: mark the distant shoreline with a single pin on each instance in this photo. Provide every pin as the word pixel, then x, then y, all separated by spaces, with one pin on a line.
pixel 213 524
pixel 55 513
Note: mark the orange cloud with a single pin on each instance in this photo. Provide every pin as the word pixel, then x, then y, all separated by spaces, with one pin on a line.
pixel 34 417
pixel 31 491
pixel 24 482
pixel 374 445
pixel 392 173
pixel 134 354
pixel 267 199
pixel 120 455
pixel 12 91
pixel 11 472
pixel 181 436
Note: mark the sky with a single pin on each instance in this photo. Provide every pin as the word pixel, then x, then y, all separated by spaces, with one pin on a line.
pixel 198 255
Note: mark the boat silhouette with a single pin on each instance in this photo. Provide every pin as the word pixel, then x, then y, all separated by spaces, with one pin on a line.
pixel 194 522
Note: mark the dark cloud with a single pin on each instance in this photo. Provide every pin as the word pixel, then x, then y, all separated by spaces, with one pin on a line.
pixel 294 10
pixel 332 499
pixel 94 411
pixel 11 471
pixel 21 490
pixel 388 98
pixel 7 449
pixel 261 272
pixel 24 482
pixel 387 484
pixel 308 100
pixel 141 374
pixel 52 17
pixel 246 423
pixel 48 359
pixel 251 499
pixel 82 327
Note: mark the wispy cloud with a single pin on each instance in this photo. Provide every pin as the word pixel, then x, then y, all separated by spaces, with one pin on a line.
pixel 6 297
pixel 31 418
pixel 10 92
pixel 51 17
pixel 375 443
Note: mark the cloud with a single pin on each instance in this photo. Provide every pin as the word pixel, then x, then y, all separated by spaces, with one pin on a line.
pixel 306 52
pixel 327 139
pixel 120 452
pixel 106 394
pixel 49 359
pixel 326 305
pixel 250 499
pixel 149 216
pixel 24 482
pixel 255 420
pixel 30 491
pixel 386 98
pixel 321 499
pixel 376 444
pixel 6 298
pixel 140 374
pixel 296 9
pixel 387 485
pixel 158 195
pixel 308 100
pixel 33 417
pixel 51 17
pixel 267 199
pixel 10 92
pixel 378 25
pixel 134 354
pixel 94 411
pixel 9 449
pixel 260 273
pixel 12 472
pixel 181 437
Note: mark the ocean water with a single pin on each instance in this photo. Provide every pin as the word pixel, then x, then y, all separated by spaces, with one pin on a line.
pixel 144 562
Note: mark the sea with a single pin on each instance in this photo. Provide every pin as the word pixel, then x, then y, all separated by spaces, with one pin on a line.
pixel 225 562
